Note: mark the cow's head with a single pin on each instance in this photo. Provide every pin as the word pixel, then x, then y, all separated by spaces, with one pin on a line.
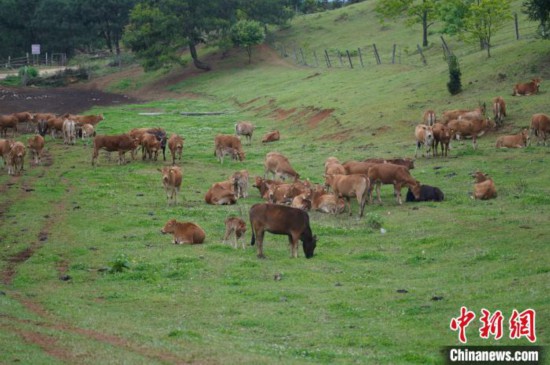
pixel 169 227
pixel 309 245
pixel 241 155
pixel 525 136
pixel 415 189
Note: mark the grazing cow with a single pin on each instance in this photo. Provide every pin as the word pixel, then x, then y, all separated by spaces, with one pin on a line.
pixel 424 138
pixel 322 201
pixel 245 129
pixel 358 167
pixel 280 219
pixel 150 146
pixel 240 183
pixel 69 131
pixel 237 227
pixel 184 232
pixel 88 132
pixel 474 128
pixel 221 194
pixel 222 151
pixel 5 147
pixel 85 119
pixel 36 145
pixel 42 127
pixel 391 174
pixel 121 143
pixel 499 110
pixel 429 117
pixel 16 158
pixel 175 145
pixel 442 134
pixel 279 166
pixel 407 162
pixel 426 193
pixel 514 141
pixel 348 186
pixel 159 133
pixel 477 113
pixel 227 140
pixel 484 187
pixel 271 136
pixel 171 180
pixel 540 126
pixel 528 88
pixel 8 121
pixel 24 117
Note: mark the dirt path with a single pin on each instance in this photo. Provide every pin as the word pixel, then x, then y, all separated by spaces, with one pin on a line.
pixel 42 71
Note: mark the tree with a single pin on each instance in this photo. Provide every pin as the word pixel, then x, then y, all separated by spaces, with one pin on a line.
pixel 247 33
pixel 455 84
pixel 421 12
pixel 539 10
pixel 483 19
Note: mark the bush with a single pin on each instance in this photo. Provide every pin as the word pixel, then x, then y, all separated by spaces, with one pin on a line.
pixel 30 72
pixel 454 85
pixel 119 264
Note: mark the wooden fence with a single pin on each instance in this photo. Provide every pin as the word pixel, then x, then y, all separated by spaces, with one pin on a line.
pixel 52 59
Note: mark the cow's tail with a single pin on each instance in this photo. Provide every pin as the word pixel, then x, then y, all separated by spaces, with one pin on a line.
pixel 253 240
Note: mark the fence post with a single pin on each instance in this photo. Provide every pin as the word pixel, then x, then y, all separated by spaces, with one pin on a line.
pixel 303 58
pixel 376 55
pixel 393 54
pixel 421 54
pixel 9 61
pixel 516 25
pixel 360 57
pixel 316 60
pixel 283 53
pixel 327 58
pixel 27 58
pixel 349 58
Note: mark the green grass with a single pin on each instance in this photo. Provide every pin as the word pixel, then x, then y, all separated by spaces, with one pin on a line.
pixel 212 304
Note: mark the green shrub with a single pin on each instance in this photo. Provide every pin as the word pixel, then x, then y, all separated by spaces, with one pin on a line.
pixel 30 72
pixel 119 264
pixel 454 85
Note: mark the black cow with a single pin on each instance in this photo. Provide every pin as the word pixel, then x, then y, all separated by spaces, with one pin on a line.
pixel 160 134
pixel 43 127
pixel 427 193
pixel 281 219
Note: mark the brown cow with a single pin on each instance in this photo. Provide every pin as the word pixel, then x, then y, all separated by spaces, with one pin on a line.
pixel 322 201
pixel 477 113
pixel 263 186
pixel 24 117
pixel 55 125
pixel 484 187
pixel 528 88
pixel 334 167
pixel 227 140
pixel 392 174
pixel 279 166
pixel 121 143
pixel 240 183
pixel 8 121
pixel 357 167
pixel 280 219
pixel 5 147
pixel 302 201
pixel 245 129
pixel 348 186
pixel 184 232
pixel 429 117
pixel 540 126
pixel 16 158
pixel 159 133
pixel 221 194
pixel 88 132
pixel 424 139
pixel 407 162
pixel 150 146
pixel 499 110
pixel 36 145
pixel 85 119
pixel 237 227
pixel 474 128
pixel 514 141
pixel 271 136
pixel 442 134
pixel 175 145
pixel 171 180
pixel 43 116
pixel 222 151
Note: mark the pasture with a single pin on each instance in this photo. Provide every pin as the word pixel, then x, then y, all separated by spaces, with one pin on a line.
pixel 87 277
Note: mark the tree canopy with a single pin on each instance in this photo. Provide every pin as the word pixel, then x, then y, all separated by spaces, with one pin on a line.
pixel 539 10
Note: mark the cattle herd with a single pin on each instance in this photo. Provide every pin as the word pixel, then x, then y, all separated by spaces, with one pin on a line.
pixel 288 198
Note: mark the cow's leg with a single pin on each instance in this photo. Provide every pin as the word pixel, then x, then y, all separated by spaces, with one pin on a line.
pixel 293 242
pixel 416 149
pixel 397 192
pixel 260 244
pixel 378 185
pixel 474 141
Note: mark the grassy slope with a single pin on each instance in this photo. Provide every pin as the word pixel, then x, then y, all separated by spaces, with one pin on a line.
pixel 212 304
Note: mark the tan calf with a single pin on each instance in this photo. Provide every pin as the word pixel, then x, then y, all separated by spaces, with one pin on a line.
pixel 175 145
pixel 424 139
pixel 484 187
pixel 348 186
pixel 184 232
pixel 271 136
pixel 16 158
pixel 322 201
pixel 514 141
pixel 171 180
pixel 442 135
pixel 540 127
pixel 5 147
pixel 235 226
pixel 396 175
pixel 36 145
pixel 279 166
pixel 221 194
pixel 499 110
pixel 240 183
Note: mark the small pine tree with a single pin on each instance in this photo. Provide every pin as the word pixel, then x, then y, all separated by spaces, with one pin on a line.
pixel 454 85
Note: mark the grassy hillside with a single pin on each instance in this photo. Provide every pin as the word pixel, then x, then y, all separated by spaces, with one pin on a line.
pixel 366 297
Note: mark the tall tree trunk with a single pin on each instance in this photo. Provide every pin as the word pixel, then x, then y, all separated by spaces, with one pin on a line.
pixel 425 29
pixel 198 63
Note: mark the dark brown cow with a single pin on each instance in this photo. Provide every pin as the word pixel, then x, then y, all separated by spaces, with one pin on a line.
pixel 8 121
pixel 221 194
pixel 514 141
pixel 277 164
pixel 227 140
pixel 245 129
pixel 484 187
pixel 234 226
pixel 540 127
pixel 396 175
pixel 121 143
pixel 171 180
pixel 280 219
pixel 499 110
pixel 348 186
pixel 175 145
pixel 528 88
pixel 184 232
pixel 36 145
pixel 442 134
pixel 271 137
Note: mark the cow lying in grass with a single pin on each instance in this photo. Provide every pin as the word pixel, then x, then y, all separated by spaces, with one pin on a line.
pixel 280 219
pixel 221 193
pixel 184 232
pixel 519 140
pixel 528 88
pixel 425 193
pixel 484 187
